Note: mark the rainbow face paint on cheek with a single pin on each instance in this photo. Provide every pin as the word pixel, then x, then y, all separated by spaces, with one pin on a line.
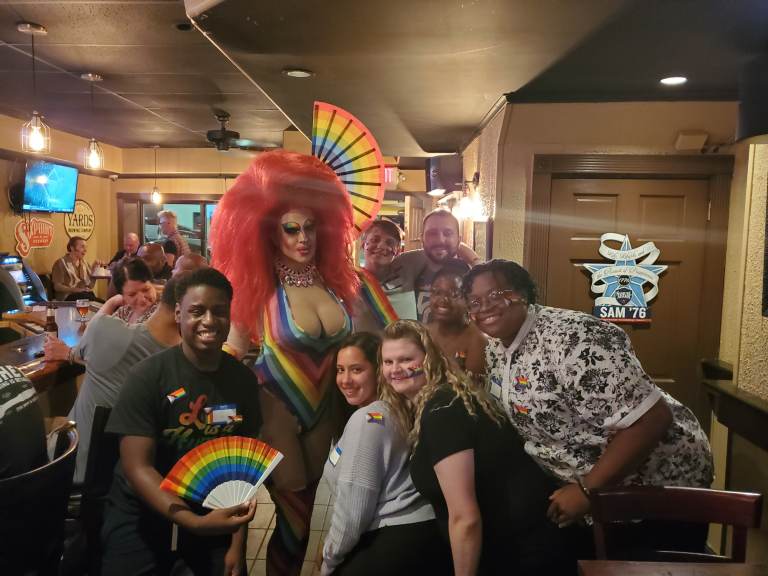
pixel 413 372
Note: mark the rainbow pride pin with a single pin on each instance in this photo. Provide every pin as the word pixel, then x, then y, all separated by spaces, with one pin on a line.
pixel 176 394
pixel 375 417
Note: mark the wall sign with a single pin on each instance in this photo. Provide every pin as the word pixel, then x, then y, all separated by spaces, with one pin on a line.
pixel 81 221
pixel 32 233
pixel 621 284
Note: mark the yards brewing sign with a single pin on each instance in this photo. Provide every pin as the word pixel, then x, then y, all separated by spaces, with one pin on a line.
pixel 621 284
pixel 81 221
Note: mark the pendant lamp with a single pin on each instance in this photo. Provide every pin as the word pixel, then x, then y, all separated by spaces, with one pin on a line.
pixel 94 155
pixel 156 197
pixel 35 134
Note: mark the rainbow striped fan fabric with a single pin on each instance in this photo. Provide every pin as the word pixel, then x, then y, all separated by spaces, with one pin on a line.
pixel 222 472
pixel 347 146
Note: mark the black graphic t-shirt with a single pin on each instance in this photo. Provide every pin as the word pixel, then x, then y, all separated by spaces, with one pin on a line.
pixel 167 398
pixel 22 431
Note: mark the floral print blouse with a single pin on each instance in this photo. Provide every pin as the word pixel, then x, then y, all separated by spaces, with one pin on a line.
pixel 570 381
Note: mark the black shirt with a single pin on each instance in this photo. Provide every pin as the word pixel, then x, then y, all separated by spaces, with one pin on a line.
pixel 22 430
pixel 512 491
pixel 167 398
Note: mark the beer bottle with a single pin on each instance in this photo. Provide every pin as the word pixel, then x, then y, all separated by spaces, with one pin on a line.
pixel 50 321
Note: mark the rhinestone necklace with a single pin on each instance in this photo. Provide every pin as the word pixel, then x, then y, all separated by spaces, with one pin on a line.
pixel 302 278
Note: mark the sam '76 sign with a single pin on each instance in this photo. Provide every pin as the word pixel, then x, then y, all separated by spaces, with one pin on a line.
pixel 628 283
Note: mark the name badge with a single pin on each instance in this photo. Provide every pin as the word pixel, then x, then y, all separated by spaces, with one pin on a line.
pixel 334 456
pixel 495 390
pixel 221 414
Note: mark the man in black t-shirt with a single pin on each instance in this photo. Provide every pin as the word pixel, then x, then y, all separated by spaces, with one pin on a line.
pixel 170 403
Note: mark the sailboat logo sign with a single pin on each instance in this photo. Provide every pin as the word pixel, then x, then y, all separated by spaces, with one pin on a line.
pixel 627 284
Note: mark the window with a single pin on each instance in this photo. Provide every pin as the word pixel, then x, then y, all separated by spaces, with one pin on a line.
pixel 190 223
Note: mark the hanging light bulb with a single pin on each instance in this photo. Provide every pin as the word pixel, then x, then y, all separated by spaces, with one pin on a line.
pixel 156 197
pixel 35 134
pixel 94 155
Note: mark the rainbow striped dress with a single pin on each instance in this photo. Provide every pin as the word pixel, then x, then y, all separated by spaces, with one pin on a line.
pixel 294 365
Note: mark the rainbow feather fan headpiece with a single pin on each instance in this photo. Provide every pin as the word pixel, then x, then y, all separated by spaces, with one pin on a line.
pixel 347 146
pixel 222 472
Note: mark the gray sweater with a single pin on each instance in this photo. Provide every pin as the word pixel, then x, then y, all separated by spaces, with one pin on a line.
pixel 369 475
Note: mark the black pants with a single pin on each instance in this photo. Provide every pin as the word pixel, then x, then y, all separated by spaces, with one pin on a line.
pixel 398 551
pixel 141 546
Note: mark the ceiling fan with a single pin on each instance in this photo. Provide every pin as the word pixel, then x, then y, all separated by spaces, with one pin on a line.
pixel 225 139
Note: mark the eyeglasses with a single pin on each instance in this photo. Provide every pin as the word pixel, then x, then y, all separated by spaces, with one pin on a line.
pixel 494 299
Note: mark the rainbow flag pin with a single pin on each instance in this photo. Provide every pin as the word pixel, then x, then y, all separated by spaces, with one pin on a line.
pixel 376 417
pixel 176 394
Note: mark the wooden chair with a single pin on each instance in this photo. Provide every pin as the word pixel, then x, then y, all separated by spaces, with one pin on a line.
pixel 740 510
pixel 34 505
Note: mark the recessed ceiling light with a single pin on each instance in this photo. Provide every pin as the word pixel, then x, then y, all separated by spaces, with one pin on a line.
pixel 31 28
pixel 297 73
pixel 183 26
pixel 674 80
pixel 436 192
pixel 91 77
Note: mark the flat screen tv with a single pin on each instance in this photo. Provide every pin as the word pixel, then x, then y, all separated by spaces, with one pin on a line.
pixel 49 187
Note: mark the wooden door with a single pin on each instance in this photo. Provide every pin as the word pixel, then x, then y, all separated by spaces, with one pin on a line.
pixel 672 213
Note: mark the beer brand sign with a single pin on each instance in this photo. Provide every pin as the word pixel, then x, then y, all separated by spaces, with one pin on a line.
pixel 81 222
pixel 628 283
pixel 32 233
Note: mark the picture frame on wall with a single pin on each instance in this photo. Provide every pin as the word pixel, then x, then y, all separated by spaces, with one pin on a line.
pixel 482 241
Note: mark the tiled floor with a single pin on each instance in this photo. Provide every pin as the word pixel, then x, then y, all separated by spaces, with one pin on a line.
pixel 260 530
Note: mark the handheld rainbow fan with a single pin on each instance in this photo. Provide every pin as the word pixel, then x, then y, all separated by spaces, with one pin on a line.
pixel 222 472
pixel 347 146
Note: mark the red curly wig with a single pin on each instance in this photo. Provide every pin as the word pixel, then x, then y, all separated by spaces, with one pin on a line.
pixel 246 222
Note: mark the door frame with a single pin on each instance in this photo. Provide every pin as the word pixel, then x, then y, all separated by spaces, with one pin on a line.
pixel 717 170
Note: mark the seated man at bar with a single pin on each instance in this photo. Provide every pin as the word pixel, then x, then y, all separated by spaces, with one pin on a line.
pixel 110 348
pixel 130 247
pixel 587 411
pixel 71 275
pixel 22 449
pixel 22 430
pixel 160 416
pixel 154 255
pixel 188 263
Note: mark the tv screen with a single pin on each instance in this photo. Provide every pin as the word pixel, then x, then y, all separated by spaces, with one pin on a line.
pixel 49 187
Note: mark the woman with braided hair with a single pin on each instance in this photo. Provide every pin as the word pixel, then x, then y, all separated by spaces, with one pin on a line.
pixel 489 496
pixel 281 235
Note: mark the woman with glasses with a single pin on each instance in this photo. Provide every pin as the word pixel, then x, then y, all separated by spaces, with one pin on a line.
pixel 489 497
pixel 577 394
pixel 449 323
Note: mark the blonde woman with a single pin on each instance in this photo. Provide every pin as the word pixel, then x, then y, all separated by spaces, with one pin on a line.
pixel 489 497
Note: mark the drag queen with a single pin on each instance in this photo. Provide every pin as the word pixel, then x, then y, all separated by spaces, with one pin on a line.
pixel 281 236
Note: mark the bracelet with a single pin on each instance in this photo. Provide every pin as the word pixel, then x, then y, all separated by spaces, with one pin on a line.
pixel 71 355
pixel 587 492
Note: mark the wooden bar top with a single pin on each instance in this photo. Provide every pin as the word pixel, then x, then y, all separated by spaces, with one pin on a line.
pixel 616 568
pixel 25 353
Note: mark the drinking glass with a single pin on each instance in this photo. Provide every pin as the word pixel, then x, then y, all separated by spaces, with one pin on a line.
pixel 83 307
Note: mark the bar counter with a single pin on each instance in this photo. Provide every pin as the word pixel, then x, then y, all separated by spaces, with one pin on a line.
pixel 26 353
